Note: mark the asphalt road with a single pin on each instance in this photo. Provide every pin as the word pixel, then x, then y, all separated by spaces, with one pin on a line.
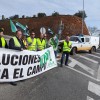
pixel 78 81
pixel 67 83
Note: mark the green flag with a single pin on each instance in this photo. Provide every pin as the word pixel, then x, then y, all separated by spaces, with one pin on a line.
pixel 54 42
pixel 50 31
pixel 21 26
pixel 13 27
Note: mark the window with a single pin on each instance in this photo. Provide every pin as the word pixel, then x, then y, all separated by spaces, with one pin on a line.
pixel 76 39
pixel 87 39
pixel 72 38
pixel 82 39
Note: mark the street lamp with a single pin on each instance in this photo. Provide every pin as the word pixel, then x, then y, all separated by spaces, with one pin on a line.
pixel 83 18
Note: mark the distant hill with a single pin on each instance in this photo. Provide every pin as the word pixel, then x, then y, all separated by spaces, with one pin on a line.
pixel 72 24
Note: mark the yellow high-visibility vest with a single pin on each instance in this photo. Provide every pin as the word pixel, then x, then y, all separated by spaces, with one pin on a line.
pixel 16 42
pixel 31 47
pixel 41 45
pixel 3 42
pixel 24 42
pixel 66 46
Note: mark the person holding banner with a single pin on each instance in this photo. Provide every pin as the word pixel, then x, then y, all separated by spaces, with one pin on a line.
pixel 16 42
pixel 24 39
pixel 66 47
pixel 32 42
pixel 46 40
pixel 41 43
pixel 3 43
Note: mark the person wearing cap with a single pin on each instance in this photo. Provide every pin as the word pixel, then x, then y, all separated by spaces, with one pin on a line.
pixel 41 43
pixel 32 42
pixel 3 42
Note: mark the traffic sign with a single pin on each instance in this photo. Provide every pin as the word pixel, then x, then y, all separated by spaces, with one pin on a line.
pixel 42 30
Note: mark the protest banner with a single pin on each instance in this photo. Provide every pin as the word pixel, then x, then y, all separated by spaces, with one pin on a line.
pixel 19 65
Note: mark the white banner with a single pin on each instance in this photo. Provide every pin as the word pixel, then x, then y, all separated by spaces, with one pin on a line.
pixel 19 65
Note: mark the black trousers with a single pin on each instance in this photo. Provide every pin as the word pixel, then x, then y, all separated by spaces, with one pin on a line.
pixel 63 56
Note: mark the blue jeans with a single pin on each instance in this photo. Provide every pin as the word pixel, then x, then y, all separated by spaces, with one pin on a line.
pixel 63 56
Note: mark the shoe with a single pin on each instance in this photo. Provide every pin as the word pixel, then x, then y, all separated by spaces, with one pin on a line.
pixel 13 83
pixel 66 64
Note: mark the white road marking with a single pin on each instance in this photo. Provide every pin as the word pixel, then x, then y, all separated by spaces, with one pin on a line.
pixel 72 64
pixel 98 76
pixel 88 59
pixel 81 73
pixel 94 88
pixel 96 53
pixel 94 56
pixel 89 98
pixel 86 68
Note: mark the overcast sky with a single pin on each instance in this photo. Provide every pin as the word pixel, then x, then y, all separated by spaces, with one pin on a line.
pixel 31 7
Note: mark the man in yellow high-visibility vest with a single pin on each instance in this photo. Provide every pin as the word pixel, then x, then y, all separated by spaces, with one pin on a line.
pixel 24 39
pixel 41 43
pixel 46 40
pixel 3 43
pixel 16 43
pixel 32 42
pixel 66 47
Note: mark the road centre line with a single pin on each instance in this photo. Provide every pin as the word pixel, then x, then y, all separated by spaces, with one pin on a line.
pixel 94 88
pixel 87 58
pixel 81 73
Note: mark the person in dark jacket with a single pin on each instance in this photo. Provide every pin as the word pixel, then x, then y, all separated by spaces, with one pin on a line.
pixel 16 43
pixel 3 42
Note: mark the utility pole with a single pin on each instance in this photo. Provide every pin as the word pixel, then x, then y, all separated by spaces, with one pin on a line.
pixel 60 29
pixel 83 19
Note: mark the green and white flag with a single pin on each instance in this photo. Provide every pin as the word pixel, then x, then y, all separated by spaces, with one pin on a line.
pixel 54 42
pixel 21 26
pixel 13 27
pixel 50 31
